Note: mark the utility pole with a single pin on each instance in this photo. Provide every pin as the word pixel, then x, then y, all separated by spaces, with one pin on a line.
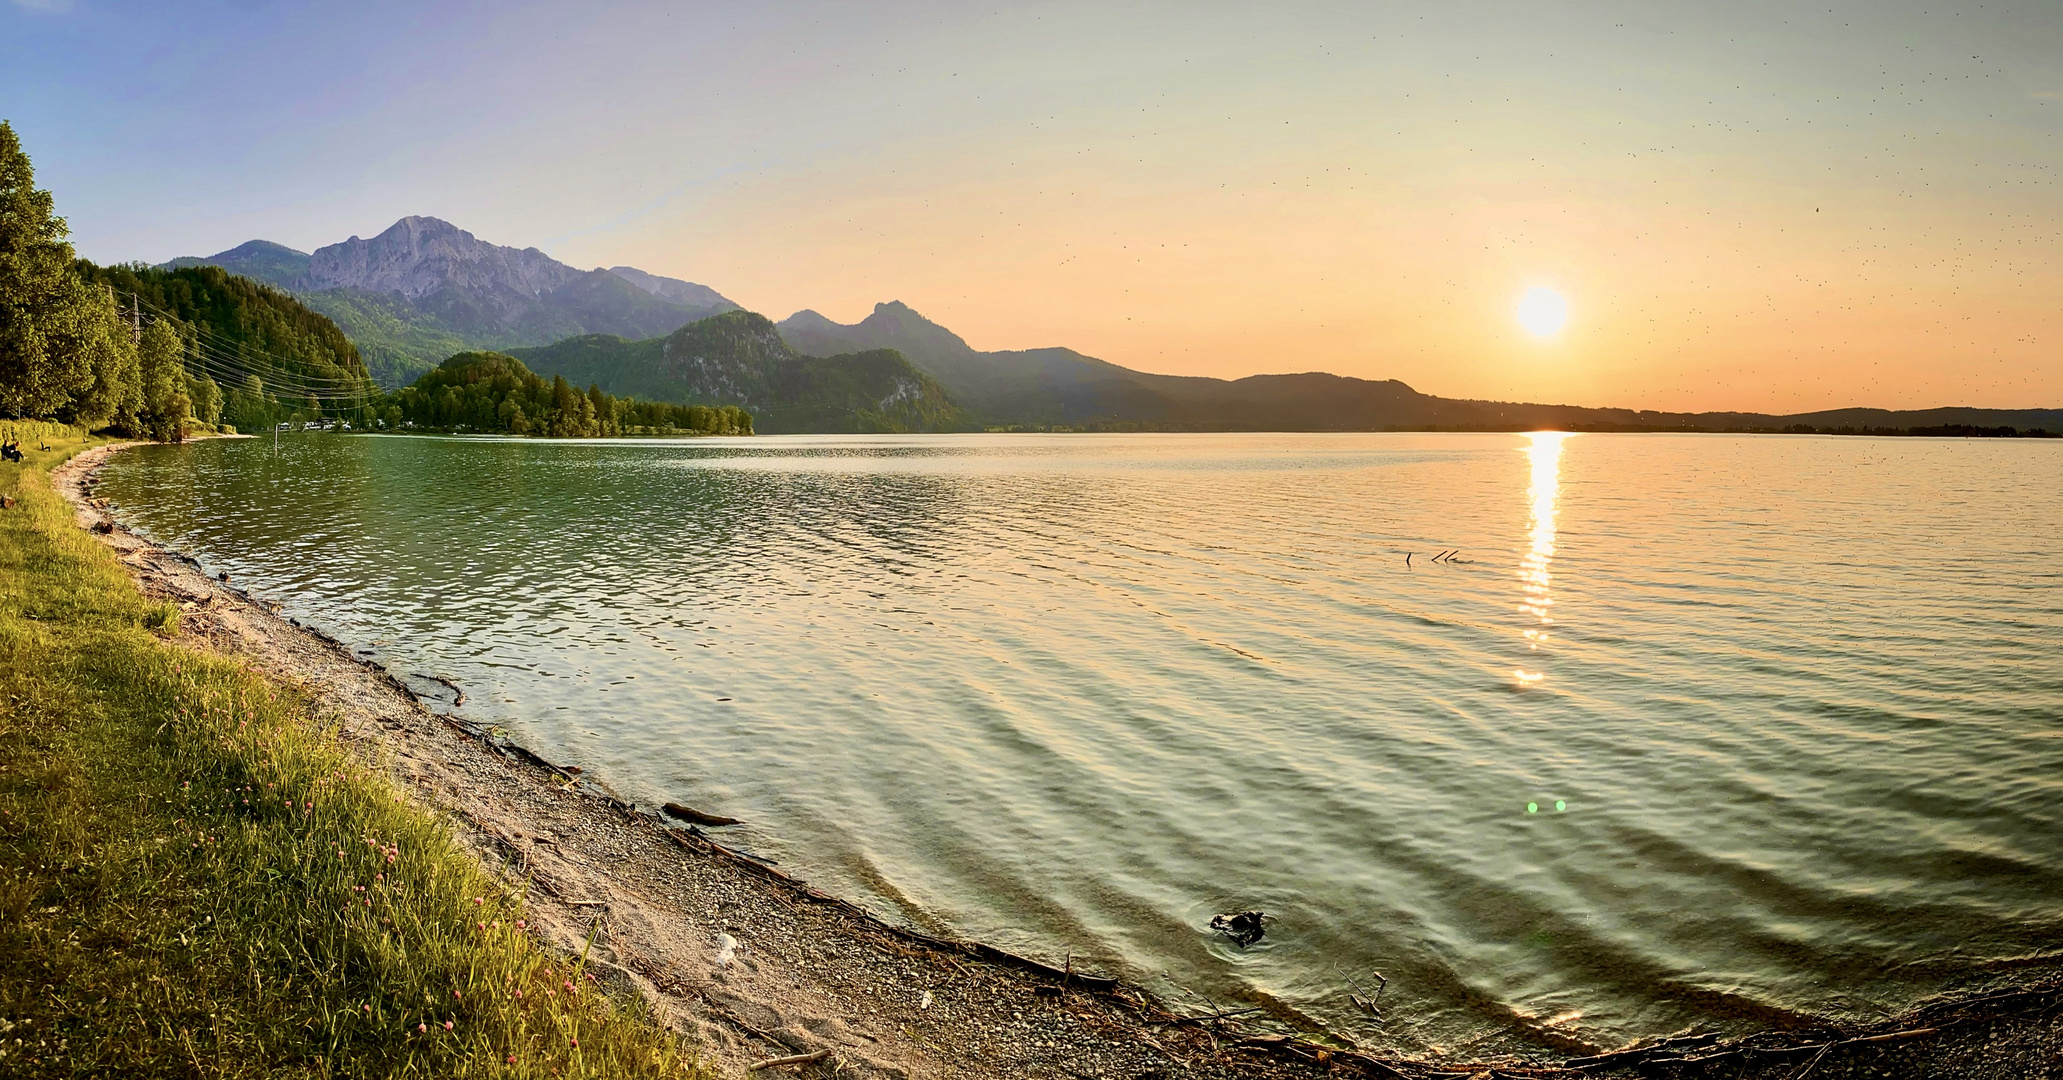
pixel 135 319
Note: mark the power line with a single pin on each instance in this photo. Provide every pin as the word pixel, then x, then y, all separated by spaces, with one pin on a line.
pixel 236 365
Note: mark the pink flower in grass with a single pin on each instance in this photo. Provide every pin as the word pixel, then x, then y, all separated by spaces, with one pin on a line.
pixel 447 1025
pixel 422 1027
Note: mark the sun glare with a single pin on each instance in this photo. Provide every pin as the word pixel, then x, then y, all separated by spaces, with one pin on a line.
pixel 1542 312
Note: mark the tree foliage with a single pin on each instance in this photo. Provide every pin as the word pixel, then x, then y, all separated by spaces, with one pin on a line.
pixel 59 338
pixel 166 404
pixel 65 349
pixel 494 392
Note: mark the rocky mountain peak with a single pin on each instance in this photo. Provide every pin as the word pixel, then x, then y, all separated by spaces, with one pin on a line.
pixel 418 256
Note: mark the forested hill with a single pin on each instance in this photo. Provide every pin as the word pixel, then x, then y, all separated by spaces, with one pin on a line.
pixel 494 393
pixel 270 354
pixel 739 358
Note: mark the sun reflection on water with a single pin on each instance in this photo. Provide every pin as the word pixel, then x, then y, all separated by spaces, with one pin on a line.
pixel 1544 450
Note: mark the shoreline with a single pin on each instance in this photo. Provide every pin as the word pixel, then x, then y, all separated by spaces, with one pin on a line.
pixel 759 965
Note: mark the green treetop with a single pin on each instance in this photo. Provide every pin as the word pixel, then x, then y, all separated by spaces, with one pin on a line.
pixel 56 333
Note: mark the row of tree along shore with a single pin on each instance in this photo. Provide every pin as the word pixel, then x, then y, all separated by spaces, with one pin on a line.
pixel 146 352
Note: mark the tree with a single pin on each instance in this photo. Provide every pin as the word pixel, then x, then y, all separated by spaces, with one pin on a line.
pixel 114 392
pixel 207 399
pixel 54 329
pixel 166 408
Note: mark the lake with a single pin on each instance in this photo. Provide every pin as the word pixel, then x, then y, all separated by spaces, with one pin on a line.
pixel 1686 729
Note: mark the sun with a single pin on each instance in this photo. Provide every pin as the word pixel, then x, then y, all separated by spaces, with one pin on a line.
pixel 1543 312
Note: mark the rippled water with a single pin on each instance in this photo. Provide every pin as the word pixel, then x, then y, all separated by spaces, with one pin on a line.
pixel 1692 729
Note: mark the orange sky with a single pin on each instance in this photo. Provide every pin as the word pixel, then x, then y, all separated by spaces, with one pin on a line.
pixel 1746 209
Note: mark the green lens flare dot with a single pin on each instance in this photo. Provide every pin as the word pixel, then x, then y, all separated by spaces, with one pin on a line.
pixel 1559 805
pixel 1532 808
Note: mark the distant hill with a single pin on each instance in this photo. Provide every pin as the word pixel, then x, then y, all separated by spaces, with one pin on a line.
pixel 1061 387
pixel 739 358
pixel 425 289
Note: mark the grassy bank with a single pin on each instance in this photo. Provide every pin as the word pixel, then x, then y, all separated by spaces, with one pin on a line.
pixel 194 879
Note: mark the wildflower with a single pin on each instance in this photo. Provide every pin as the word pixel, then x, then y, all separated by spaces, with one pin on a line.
pixel 576 1044
pixel 447 1025
pixel 519 924
pixel 512 1059
pixel 422 1027
pixel 477 901
pixel 569 984
pixel 482 925
pixel 455 993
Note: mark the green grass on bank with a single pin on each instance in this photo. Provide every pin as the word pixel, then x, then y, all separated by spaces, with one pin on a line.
pixel 195 880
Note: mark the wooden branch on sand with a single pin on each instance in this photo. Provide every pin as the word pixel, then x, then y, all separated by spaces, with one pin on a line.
pixel 797 1059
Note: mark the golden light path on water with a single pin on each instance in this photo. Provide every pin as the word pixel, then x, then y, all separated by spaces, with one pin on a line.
pixel 1543 450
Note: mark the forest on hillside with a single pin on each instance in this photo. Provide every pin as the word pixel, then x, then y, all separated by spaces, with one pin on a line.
pixel 493 393
pixel 273 359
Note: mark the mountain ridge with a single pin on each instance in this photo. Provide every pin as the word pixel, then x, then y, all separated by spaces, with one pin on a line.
pixel 739 358
pixel 423 289
pixel 1061 387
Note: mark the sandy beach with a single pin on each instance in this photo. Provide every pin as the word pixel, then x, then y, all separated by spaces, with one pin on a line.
pixel 759 966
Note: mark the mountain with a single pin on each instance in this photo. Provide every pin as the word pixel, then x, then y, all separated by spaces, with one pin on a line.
pixel 739 358
pixel 685 293
pixel 1032 386
pixel 1061 387
pixel 425 289
pixel 260 260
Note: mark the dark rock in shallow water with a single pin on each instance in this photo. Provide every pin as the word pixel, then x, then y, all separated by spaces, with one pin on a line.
pixel 1243 927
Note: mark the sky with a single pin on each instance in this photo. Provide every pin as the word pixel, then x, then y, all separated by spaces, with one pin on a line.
pixel 1778 207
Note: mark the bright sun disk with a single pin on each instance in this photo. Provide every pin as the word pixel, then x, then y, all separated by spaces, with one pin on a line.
pixel 1542 312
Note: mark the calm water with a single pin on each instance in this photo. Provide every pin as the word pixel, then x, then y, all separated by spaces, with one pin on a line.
pixel 1694 729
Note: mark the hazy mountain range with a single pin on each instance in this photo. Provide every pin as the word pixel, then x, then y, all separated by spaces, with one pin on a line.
pixel 425 289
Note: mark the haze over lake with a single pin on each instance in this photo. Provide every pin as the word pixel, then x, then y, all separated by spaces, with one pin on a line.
pixel 1691 729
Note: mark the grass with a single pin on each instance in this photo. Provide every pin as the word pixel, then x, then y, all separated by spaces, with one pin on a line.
pixel 194 878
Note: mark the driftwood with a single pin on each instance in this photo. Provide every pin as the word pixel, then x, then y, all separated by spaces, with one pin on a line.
pixel 794 1059
pixel 688 813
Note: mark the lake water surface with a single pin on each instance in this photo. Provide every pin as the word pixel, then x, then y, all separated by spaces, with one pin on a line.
pixel 1693 729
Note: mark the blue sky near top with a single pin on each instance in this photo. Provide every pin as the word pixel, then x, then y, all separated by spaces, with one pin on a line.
pixel 1746 205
